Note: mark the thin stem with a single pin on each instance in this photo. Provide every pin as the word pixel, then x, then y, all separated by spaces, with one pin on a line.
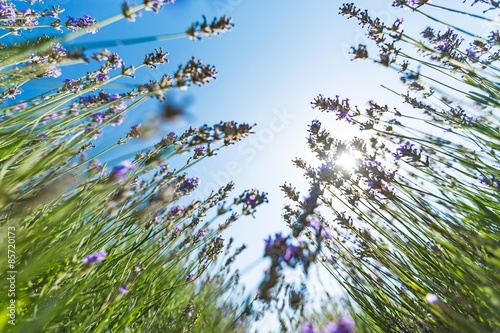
pixel 129 41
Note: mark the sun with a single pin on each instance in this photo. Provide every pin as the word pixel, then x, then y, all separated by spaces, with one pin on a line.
pixel 347 161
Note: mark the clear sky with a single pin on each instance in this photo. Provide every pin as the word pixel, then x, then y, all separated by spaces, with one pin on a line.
pixel 279 56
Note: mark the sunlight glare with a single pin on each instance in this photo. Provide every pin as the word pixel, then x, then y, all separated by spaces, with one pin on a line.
pixel 347 161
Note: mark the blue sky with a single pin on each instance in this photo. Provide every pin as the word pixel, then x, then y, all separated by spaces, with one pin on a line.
pixel 279 56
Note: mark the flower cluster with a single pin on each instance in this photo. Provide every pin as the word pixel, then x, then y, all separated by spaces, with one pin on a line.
pixel 194 72
pixel 217 27
pixel 491 182
pixel 85 22
pixel 94 258
pixel 156 5
pixel 200 151
pixel 120 171
pixel 250 200
pixel 341 108
pixel 407 150
pixel 189 184
pixel 17 20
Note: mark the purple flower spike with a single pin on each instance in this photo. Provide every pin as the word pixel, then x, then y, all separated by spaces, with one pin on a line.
pixel 120 171
pixel 308 328
pixel 123 289
pixel 94 258
pixel 345 324
pixel 200 151
pixel 190 277
pixel 75 24
pixel 189 184
pixel 176 211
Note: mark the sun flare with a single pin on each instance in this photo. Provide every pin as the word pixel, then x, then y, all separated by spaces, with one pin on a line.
pixel 347 161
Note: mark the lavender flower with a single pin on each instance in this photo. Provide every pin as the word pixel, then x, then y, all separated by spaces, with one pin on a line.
pixel 115 61
pixel 98 118
pixel 489 182
pixel 72 85
pixel 94 258
pixel 74 24
pixel 135 132
pixel 407 150
pixel 58 50
pixel 123 289
pixel 315 126
pixel 190 277
pixel 156 5
pixel 102 77
pixel 307 328
pixel 53 72
pixel 202 232
pixel 120 171
pixel 7 10
pixel 341 108
pixel 176 211
pixel 345 324
pixel 189 184
pixel 200 151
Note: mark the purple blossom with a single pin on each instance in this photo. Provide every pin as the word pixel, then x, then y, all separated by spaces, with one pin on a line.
pixel 123 289
pixel 120 171
pixel 102 77
pixel 117 122
pixel 307 328
pixel 113 97
pixel 74 24
pixel 119 107
pixel 200 151
pixel 493 181
pixel 87 100
pixel 250 199
pixel 72 85
pixel 279 250
pixel 163 168
pixel 156 5
pixel 95 257
pixel 190 277
pixel 290 253
pixel 315 126
pixel 278 241
pixel 189 184
pixel 20 106
pixel 176 211
pixel 345 324
pixel 341 108
pixel 7 10
pixel 472 54
pixel 115 61
pixel 202 232
pixel 98 117
pixel 315 223
pixel 135 131
pixel 407 150
pixel 54 72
